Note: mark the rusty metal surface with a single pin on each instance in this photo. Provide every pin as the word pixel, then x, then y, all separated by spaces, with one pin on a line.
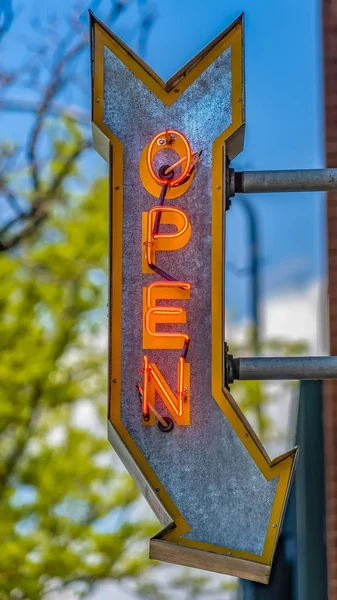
pixel 194 470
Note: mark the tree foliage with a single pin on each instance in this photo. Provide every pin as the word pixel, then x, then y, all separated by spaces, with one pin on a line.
pixel 57 476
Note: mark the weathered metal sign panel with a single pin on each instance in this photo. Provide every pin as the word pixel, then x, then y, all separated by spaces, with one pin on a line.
pixel 208 478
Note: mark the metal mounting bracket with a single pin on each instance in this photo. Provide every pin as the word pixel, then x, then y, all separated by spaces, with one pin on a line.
pixel 299 180
pixel 277 368
pixel 280 368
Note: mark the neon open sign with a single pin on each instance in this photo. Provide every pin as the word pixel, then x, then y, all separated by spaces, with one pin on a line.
pixel 168 176
pixel 222 505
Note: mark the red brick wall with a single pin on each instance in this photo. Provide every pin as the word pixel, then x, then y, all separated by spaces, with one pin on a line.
pixel 330 400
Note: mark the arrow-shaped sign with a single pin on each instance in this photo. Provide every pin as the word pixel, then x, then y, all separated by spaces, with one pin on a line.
pixel 207 478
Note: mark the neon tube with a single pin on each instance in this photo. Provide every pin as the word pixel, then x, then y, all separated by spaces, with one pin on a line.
pixel 168 133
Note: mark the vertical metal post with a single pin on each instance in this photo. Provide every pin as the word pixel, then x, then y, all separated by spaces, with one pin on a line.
pixel 254 249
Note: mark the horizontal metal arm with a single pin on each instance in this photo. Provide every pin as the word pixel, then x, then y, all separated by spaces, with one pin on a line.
pixel 302 180
pixel 311 367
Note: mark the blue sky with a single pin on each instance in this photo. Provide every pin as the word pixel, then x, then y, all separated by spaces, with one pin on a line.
pixel 284 130
pixel 283 114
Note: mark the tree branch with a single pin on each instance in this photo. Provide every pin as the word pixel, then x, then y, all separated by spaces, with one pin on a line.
pixel 58 179
pixel 22 441
pixel 6 17
pixel 55 84
pixel 40 209
pixel 25 105
pixel 60 345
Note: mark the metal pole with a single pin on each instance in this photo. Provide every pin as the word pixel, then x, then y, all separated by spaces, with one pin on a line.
pixel 312 367
pixel 302 180
pixel 254 256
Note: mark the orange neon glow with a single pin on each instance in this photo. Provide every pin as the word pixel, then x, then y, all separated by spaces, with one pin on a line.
pixel 168 133
pixel 181 365
pixel 156 236
pixel 184 285
pixel 195 160
pixel 164 311
pixel 154 314
pixel 145 406
pixel 173 402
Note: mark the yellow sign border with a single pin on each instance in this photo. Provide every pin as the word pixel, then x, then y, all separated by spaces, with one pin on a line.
pixel 283 466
